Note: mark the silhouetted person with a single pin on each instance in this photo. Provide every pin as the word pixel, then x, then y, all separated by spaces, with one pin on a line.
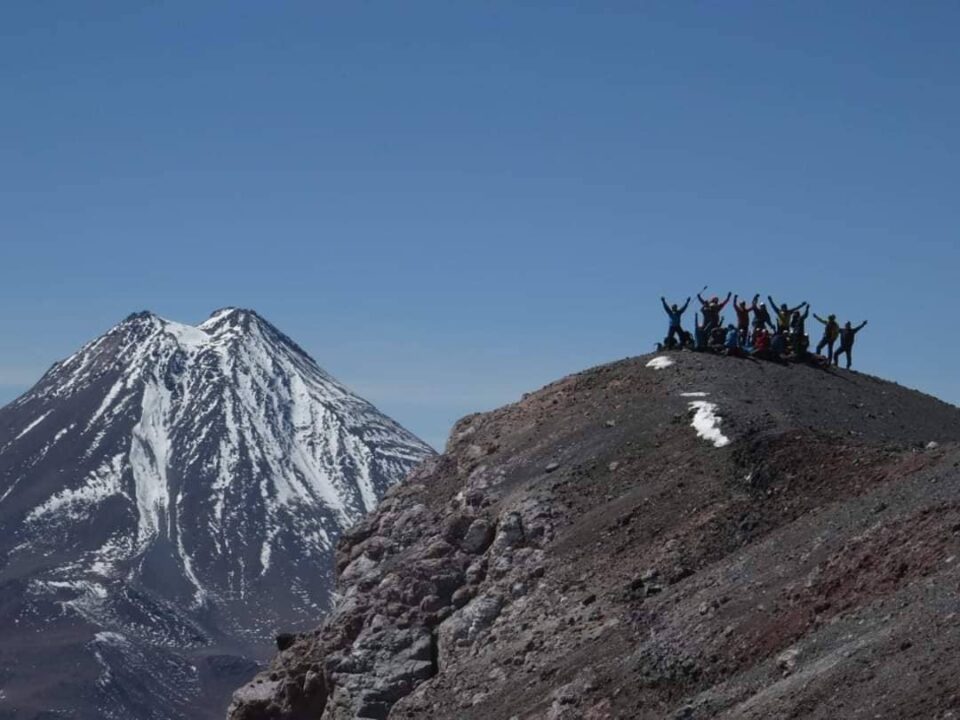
pixel 718 336
pixel 798 323
pixel 699 334
pixel 761 316
pixel 784 313
pixel 743 319
pixel 831 332
pixel 711 311
pixel 675 315
pixel 847 335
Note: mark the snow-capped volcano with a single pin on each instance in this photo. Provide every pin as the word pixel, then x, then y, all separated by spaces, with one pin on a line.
pixel 171 490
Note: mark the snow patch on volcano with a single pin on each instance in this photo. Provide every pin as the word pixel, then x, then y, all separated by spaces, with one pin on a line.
pixel 707 423
pixel 661 362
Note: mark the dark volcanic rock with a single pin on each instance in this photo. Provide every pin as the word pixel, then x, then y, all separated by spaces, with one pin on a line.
pixel 798 560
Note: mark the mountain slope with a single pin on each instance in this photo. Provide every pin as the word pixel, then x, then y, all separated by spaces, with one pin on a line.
pixel 713 538
pixel 172 492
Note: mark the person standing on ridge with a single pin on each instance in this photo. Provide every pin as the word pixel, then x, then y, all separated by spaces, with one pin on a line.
pixel 699 334
pixel 675 314
pixel 743 319
pixel 761 316
pixel 798 323
pixel 847 335
pixel 711 311
pixel 784 313
pixel 831 332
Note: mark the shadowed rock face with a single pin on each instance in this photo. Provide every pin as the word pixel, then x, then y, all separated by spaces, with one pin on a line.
pixel 169 498
pixel 598 551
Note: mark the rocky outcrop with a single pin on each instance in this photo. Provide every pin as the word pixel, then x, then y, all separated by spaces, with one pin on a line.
pixel 586 553
pixel 420 587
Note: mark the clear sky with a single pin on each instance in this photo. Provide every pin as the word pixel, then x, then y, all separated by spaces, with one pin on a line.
pixel 451 203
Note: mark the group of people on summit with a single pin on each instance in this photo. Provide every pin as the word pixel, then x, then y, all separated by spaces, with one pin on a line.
pixel 786 338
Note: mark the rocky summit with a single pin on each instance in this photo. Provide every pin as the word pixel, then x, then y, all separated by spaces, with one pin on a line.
pixel 170 496
pixel 689 536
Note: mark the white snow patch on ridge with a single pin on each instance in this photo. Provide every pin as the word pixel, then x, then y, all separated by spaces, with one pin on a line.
pixel 660 362
pixel 102 483
pixel 707 423
pixel 149 452
pixel 32 425
pixel 694 394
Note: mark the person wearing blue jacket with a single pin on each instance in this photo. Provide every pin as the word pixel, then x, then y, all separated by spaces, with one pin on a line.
pixel 675 314
pixel 732 341
pixel 778 345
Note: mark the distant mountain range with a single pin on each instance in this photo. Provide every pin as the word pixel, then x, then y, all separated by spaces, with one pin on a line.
pixel 169 498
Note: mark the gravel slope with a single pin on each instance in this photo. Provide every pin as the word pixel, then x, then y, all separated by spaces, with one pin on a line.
pixel 583 553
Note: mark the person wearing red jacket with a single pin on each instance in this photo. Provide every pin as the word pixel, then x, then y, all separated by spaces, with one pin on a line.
pixel 743 319
pixel 761 343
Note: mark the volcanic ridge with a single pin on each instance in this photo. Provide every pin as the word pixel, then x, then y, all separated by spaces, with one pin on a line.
pixel 681 536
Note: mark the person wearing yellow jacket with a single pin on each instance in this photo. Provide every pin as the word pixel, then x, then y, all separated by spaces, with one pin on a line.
pixel 784 313
pixel 831 332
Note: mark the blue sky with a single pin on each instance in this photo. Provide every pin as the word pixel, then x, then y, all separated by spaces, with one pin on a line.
pixel 449 204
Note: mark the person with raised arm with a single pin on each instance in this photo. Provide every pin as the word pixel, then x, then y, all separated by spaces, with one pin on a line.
pixel 831 332
pixel 798 323
pixel 710 309
pixel 743 319
pixel 784 313
pixel 699 334
pixel 761 316
pixel 847 335
pixel 675 314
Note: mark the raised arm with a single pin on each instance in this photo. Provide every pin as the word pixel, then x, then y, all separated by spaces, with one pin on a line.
pixel 753 303
pixel 685 306
pixel 819 319
pixel 806 313
pixel 700 298
pixel 860 327
pixel 793 310
pixel 666 308
pixel 773 303
pixel 724 303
